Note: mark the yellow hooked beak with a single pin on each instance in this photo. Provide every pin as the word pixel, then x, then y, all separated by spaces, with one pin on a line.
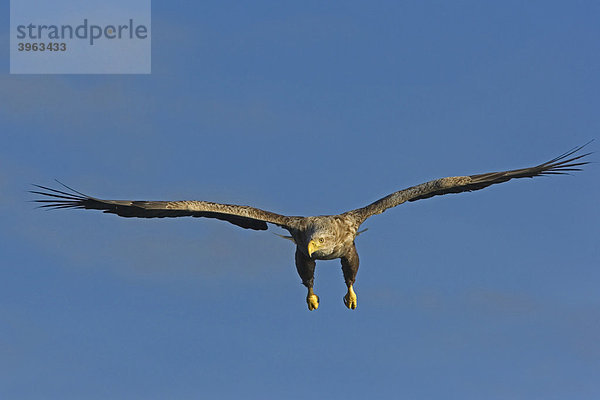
pixel 312 247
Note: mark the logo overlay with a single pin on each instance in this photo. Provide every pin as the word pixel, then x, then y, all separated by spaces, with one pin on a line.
pixel 75 37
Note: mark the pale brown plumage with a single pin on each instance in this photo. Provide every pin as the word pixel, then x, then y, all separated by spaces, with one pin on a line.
pixel 317 238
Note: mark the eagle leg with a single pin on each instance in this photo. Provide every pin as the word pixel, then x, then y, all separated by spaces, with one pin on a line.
pixel 306 269
pixel 350 269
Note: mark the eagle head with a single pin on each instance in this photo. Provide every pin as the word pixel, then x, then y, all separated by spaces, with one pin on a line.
pixel 321 244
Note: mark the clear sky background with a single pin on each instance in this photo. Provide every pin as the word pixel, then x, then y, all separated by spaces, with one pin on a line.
pixel 308 108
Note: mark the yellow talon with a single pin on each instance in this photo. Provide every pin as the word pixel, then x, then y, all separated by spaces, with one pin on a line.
pixel 350 299
pixel 312 300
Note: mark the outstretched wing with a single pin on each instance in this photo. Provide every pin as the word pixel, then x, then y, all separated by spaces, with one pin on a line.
pixel 243 216
pixel 456 184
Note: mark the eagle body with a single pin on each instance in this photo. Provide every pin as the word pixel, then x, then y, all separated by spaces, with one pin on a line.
pixel 324 237
pixel 333 235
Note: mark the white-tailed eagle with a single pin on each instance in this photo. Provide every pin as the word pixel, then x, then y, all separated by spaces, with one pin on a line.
pixel 322 237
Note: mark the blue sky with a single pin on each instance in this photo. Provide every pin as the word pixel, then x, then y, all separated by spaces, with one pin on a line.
pixel 310 108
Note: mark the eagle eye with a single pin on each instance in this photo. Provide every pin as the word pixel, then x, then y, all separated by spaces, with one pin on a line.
pixel 321 240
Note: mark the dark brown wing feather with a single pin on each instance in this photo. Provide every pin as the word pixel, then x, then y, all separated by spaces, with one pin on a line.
pixel 243 216
pixel 562 164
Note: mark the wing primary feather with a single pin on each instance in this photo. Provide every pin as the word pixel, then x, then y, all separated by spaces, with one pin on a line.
pixel 57 206
pixel 70 188
pixel 55 191
pixel 572 151
pixel 55 195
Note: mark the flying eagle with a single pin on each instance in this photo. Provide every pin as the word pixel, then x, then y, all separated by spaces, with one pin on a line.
pixel 323 237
